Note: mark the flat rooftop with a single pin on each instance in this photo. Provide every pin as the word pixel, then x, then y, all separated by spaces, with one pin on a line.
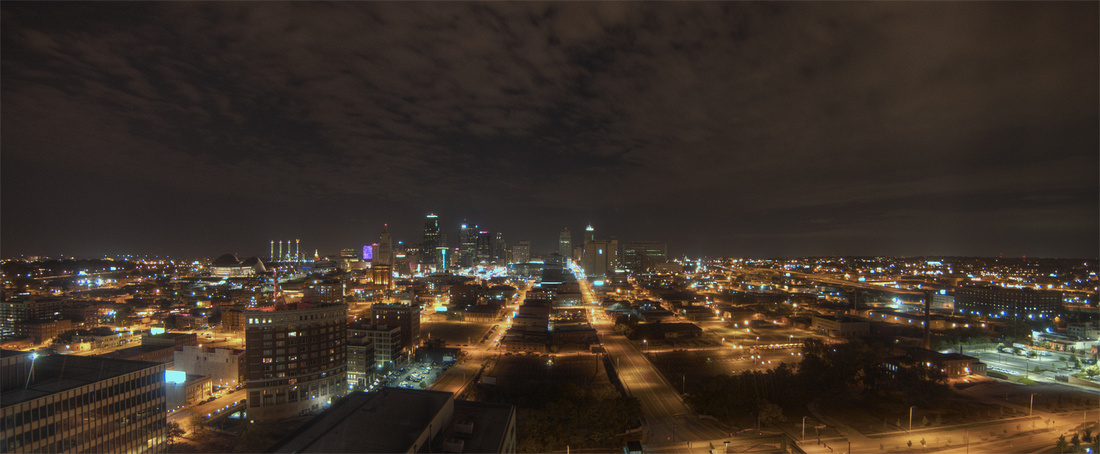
pixel 57 373
pixel 391 420
pixel 388 421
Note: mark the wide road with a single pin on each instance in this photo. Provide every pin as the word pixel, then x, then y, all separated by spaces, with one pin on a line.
pixel 667 418
pixel 183 415
pixel 458 377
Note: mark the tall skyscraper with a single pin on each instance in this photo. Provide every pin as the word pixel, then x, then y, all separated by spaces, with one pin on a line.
pixel 500 249
pixel 384 254
pixel 484 247
pixel 565 243
pixel 521 252
pixel 429 254
pixel 382 264
pixel 589 234
pixel 641 256
pixel 296 359
pixel 468 245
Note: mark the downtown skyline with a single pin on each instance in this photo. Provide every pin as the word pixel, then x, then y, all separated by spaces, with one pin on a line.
pixel 721 129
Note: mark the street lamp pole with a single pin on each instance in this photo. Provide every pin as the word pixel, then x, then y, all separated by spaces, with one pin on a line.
pixel 1031 405
pixel 804 428
pixel 911 418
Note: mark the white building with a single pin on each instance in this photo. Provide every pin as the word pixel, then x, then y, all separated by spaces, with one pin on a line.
pixel 224 366
pixel 1083 330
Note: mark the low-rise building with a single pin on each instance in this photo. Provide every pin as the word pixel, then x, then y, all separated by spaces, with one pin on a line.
pixel 42 331
pixel 841 325
pixel 1083 330
pixel 184 389
pixel 952 365
pixel 224 366
pixel 361 362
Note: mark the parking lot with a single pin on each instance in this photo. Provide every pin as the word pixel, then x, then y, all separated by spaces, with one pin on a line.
pixel 455 333
pixel 414 376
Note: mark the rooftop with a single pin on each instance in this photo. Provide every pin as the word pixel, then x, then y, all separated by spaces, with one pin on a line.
pixel 56 373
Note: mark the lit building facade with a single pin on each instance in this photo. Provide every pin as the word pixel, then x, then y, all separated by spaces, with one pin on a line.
pixel 432 241
pixel 296 359
pixel 1008 302
pixel 521 252
pixel 385 342
pixel 641 256
pixel 405 316
pixel 565 244
pixel 81 404
pixel 360 361
pixel 225 366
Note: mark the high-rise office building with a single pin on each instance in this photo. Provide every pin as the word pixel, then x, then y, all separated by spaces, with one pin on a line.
pixel 296 359
pixel 521 252
pixel 429 247
pixel 407 317
pixel 484 247
pixel 639 256
pixel 589 234
pixel 468 245
pixel 500 248
pixel 383 254
pixel 67 403
pixel 565 243
pixel 594 259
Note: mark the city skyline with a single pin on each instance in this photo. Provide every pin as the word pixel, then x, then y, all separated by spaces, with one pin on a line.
pixel 721 129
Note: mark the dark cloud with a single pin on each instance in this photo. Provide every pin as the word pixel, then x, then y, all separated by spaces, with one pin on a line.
pixel 722 128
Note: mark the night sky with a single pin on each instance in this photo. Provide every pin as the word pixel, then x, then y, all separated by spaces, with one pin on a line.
pixel 723 129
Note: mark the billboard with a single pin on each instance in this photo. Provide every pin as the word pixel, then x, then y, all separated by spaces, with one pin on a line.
pixel 175 376
pixel 368 252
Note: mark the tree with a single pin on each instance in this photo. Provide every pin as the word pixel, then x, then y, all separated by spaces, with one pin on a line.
pixel 1062 444
pixel 769 413
pixel 174 431
pixel 198 423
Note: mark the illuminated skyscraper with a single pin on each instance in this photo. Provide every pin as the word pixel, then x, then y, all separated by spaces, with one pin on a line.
pixel 500 249
pixel 384 254
pixel 484 247
pixel 589 233
pixel 382 264
pixel 565 244
pixel 429 254
pixel 468 245
pixel 521 252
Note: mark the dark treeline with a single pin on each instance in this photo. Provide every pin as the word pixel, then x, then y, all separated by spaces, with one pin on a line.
pixel 852 368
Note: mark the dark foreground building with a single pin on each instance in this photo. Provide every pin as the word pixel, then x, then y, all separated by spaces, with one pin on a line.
pixel 64 403
pixel 398 420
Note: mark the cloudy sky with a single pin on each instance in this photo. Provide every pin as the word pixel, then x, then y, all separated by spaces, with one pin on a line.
pixel 736 129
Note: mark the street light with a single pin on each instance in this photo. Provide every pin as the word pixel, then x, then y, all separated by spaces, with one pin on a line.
pixel 1031 406
pixel 804 428
pixel 911 418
